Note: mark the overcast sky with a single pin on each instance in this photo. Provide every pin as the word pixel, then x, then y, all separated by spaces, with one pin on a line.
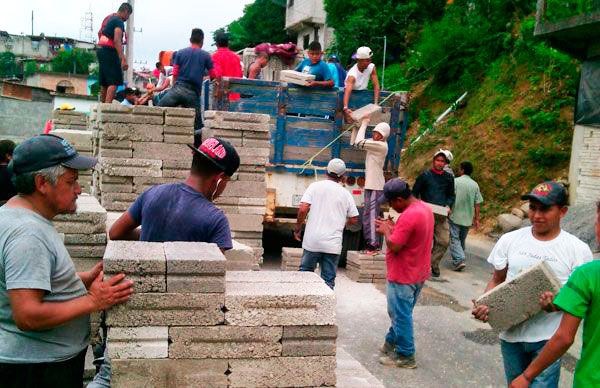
pixel 165 24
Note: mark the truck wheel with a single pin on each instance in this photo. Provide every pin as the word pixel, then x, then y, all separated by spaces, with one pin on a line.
pixel 352 241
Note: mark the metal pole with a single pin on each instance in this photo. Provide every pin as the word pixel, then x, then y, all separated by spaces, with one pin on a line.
pixel 130 37
pixel 383 71
pixel 31 22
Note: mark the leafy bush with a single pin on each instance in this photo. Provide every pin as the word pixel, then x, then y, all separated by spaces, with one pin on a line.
pixel 545 122
pixel 75 61
pixel 547 157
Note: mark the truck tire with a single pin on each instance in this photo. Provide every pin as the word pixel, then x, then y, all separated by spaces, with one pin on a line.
pixel 351 241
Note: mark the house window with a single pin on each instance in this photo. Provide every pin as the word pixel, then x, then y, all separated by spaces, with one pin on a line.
pixel 65 86
pixel 316 34
pixel 306 41
pixel 290 3
pixel 35 45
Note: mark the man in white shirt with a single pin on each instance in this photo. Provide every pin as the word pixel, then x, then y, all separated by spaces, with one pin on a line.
pixel 522 249
pixel 358 78
pixel 377 149
pixel 331 207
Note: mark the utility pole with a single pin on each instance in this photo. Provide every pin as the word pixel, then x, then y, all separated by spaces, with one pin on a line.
pixel 383 70
pixel 31 22
pixel 129 53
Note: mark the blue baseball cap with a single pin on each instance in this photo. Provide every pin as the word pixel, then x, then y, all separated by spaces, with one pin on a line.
pixel 394 188
pixel 45 151
pixel 549 193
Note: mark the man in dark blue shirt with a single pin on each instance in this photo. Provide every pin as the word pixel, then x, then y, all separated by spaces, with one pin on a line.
pixel 314 65
pixel 189 67
pixel 184 211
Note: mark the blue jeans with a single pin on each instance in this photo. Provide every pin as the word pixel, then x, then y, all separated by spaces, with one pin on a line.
pixel 183 95
pixel 103 377
pixel 327 261
pixel 401 300
pixel 458 237
pixel 371 211
pixel 518 355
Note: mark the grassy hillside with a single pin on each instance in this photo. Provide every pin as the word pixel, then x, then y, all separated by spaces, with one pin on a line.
pixel 515 125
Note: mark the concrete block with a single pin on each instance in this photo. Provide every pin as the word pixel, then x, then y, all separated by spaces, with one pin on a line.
pixel 246 189
pixel 177 130
pixel 83 264
pixel 179 139
pixel 368 109
pixel 81 140
pixel 142 184
pixel 517 300
pixel 245 223
pixel 249 177
pixel 85 251
pixel 251 242
pixel 165 373
pixel 295 77
pixel 257 135
pixel 174 173
pixel 179 121
pixel 112 108
pixel 238 125
pixel 118 201
pixel 283 372
pixel 131 167
pixel 116 187
pixel 134 132
pixel 279 304
pixel 239 252
pixel 115 144
pixel 267 277
pixel 148 110
pixel 89 218
pixel 163 151
pixel 142 262
pixel 225 342
pixel 180 112
pixel 437 209
pixel 236 116
pixel 194 267
pixel 168 309
pixel 300 341
pixel 138 342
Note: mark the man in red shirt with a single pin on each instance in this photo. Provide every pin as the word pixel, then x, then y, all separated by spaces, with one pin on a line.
pixel 409 242
pixel 227 63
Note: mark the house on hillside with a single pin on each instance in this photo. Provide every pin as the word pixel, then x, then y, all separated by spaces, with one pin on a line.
pixel 306 19
pixel 62 82
pixel 40 48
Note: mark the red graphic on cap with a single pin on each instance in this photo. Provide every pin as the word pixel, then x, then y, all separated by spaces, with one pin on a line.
pixel 213 148
pixel 542 190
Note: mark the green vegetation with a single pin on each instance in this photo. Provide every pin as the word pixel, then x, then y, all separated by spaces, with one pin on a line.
pixel 263 21
pixel 75 61
pixel 8 65
pixel 563 9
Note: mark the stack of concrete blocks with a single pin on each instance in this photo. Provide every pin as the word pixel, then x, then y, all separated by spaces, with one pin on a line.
pixel 242 258
pixel 139 147
pixel 517 300
pixel 191 325
pixel 291 258
pixel 81 140
pixel 69 119
pixel 244 199
pixel 365 268
pixel 84 232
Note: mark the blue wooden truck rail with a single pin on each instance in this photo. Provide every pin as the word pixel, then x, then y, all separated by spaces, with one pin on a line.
pixel 307 119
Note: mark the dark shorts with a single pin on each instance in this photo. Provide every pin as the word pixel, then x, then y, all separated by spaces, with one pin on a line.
pixel 110 67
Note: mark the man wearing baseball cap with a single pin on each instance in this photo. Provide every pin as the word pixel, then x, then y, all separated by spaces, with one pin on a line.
pixel 358 78
pixel 436 186
pixel 44 303
pixel 521 249
pixel 407 259
pixel 185 211
pixel 331 207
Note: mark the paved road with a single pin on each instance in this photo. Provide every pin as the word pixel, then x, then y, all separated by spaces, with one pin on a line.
pixel 453 350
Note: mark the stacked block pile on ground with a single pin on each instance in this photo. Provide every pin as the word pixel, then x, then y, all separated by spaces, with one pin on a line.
pixel 191 324
pixel 72 126
pixel 84 232
pixel 138 147
pixel 291 258
pixel 244 200
pixel 365 268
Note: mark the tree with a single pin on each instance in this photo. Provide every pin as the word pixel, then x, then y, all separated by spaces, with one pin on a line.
pixel 8 65
pixel 365 22
pixel 29 68
pixel 73 61
pixel 263 21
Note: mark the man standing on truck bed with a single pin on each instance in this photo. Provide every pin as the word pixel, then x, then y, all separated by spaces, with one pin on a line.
pixel 331 207
pixel 377 150
pixel 111 59
pixel 358 78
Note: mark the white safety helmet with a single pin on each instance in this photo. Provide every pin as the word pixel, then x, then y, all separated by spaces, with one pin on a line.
pixel 336 167
pixel 447 154
pixel 383 128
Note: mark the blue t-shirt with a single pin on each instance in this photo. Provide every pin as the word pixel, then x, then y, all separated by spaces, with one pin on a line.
pixel 112 23
pixel 334 74
pixel 193 64
pixel 176 212
pixel 320 69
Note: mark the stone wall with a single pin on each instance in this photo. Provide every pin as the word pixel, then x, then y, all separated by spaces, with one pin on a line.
pixel 190 324
pixel 584 171
pixel 138 147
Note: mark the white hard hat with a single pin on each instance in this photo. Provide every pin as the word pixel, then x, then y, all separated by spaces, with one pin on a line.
pixel 336 167
pixel 383 128
pixel 364 53
pixel 447 154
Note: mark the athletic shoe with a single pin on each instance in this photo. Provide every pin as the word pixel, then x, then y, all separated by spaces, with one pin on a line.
pixel 459 266
pixel 387 348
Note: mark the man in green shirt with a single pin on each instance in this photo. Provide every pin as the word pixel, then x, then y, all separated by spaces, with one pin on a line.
pixel 465 213
pixel 579 300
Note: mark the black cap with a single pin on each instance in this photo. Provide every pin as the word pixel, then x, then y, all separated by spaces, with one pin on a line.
pixel 549 193
pixel 394 188
pixel 221 153
pixel 45 151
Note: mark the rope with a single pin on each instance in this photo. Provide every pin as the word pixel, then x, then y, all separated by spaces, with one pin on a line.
pixel 309 161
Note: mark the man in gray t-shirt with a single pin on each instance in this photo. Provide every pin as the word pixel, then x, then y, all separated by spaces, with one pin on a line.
pixel 44 303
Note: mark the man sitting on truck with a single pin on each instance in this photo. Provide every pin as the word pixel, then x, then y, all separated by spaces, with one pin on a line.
pixel 377 150
pixel 314 65
pixel 331 207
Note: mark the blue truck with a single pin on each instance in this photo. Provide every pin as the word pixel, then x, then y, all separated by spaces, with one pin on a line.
pixel 303 121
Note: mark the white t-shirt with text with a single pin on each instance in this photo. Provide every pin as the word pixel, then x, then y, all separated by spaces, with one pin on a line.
pixel 361 79
pixel 521 250
pixel 330 206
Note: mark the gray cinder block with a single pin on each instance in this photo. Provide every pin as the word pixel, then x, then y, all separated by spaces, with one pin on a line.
pixel 194 267
pixel 142 262
pixel 138 342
